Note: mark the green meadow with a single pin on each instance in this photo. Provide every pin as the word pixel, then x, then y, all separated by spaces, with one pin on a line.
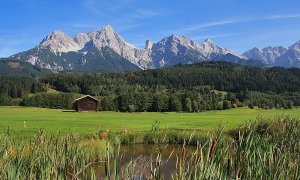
pixel 26 121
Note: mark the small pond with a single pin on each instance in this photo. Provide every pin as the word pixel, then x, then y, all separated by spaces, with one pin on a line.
pixel 141 155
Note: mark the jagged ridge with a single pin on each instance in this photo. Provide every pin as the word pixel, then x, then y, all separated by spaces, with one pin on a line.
pixel 60 52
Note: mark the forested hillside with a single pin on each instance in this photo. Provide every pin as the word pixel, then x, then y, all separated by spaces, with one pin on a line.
pixel 191 88
pixel 20 68
pixel 218 75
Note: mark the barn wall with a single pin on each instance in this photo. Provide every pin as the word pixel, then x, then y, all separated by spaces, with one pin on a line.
pixel 87 104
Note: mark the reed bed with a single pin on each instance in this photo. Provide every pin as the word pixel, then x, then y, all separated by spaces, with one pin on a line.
pixel 264 149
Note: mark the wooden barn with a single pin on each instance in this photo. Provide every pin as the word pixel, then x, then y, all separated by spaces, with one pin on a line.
pixel 86 104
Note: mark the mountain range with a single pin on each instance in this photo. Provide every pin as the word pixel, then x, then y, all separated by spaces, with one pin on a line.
pixel 107 51
pixel 277 56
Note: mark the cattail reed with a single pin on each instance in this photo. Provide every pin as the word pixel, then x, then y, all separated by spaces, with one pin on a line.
pixel 212 148
pixel 251 154
pixel 229 166
pixel 183 154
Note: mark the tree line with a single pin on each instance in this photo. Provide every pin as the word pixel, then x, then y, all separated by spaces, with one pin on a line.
pixel 191 88
pixel 13 89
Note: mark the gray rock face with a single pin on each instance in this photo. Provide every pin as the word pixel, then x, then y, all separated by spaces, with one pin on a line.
pixel 59 52
pixel 209 47
pixel 277 56
pixel 108 37
pixel 268 55
pixel 291 58
pixel 149 45
pixel 59 42
pixel 173 50
pixel 295 46
pixel 167 52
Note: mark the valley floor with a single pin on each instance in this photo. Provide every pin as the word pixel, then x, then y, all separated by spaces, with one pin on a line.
pixel 26 121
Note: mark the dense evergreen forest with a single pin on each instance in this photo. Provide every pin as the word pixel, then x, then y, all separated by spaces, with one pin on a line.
pixel 190 88
pixel 13 89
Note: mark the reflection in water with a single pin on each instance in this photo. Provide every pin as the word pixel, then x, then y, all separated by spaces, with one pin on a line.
pixel 139 156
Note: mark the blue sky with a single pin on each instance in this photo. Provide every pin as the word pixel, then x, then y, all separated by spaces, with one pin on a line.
pixel 235 24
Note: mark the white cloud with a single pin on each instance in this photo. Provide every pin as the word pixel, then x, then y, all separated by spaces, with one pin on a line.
pixel 274 17
pixel 215 23
pixel 239 20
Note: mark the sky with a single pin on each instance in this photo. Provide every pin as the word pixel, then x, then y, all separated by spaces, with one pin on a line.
pixel 236 24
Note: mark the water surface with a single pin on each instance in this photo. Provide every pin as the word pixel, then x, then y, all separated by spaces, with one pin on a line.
pixel 139 155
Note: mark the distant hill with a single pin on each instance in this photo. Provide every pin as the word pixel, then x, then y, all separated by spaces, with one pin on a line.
pixel 20 68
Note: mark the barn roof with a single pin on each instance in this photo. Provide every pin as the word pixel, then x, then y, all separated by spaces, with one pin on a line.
pixel 86 97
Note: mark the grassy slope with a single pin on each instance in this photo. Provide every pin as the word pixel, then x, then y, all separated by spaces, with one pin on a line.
pixel 54 121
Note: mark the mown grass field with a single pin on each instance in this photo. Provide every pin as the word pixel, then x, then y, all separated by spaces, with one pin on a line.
pixel 26 121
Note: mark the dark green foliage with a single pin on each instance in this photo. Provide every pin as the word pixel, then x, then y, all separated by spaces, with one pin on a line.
pixel 222 76
pixel 187 105
pixel 18 87
pixel 106 104
pixel 226 104
pixel 277 87
pixel 51 100
pixel 160 103
pixel 175 104
pixel 143 102
pixel 251 106
pixel 124 96
pixel 190 88
pixel 20 68
pixel 5 101
pixel 270 100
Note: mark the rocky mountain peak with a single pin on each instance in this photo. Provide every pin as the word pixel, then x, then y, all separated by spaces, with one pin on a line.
pixel 175 40
pixel 256 49
pixel 58 41
pixel 108 32
pixel 296 46
pixel 55 35
pixel 81 39
pixel 108 28
pixel 107 36
pixel 170 39
pixel 149 44
pixel 209 46
pixel 169 51
pixel 173 36
pixel 209 41
pixel 267 55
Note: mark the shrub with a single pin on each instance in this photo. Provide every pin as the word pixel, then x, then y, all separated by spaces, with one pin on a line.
pixel 251 106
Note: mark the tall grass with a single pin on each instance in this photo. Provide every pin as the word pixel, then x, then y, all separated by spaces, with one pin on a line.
pixel 264 149
pixel 47 157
